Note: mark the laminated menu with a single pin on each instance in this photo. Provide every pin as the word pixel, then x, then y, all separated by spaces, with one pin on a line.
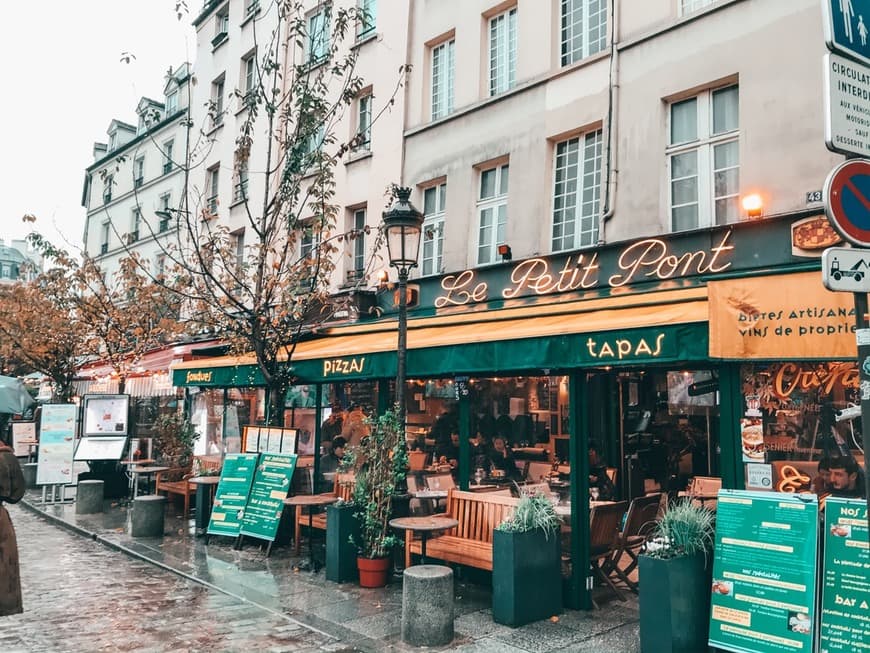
pixel 266 499
pixel 231 496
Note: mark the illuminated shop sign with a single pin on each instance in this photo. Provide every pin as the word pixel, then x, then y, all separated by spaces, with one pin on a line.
pixel 198 377
pixel 651 259
pixel 787 378
pixel 343 366
pixel 621 348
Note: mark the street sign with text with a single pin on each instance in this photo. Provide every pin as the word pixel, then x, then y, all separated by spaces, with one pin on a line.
pixel 847 29
pixel 846 269
pixel 847 106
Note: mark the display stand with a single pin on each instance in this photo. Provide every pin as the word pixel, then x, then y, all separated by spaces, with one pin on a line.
pixel 54 494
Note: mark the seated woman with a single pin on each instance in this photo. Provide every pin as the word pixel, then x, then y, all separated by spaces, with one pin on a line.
pixel 501 458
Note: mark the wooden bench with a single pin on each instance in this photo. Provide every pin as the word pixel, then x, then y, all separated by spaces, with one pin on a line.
pixel 183 487
pixel 342 488
pixel 470 543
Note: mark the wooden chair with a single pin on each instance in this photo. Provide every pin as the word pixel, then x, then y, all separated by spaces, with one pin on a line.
pixel 439 481
pixel 417 460
pixel 640 520
pixel 611 474
pixel 603 542
pixel 342 487
pixel 536 470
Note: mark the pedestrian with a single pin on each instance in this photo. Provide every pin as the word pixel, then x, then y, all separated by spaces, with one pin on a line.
pixel 11 491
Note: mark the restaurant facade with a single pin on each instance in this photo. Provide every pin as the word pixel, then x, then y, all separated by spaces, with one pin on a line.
pixel 671 354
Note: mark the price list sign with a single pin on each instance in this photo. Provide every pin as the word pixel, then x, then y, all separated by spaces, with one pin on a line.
pixel 846 578
pixel 232 494
pixel 266 500
pixel 764 572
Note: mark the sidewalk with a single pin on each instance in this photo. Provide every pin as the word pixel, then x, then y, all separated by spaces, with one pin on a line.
pixel 366 619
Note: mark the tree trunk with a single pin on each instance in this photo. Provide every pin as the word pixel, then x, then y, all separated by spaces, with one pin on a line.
pixel 275 395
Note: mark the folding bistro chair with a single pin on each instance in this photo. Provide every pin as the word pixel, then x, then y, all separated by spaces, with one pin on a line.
pixel 641 517
pixel 603 542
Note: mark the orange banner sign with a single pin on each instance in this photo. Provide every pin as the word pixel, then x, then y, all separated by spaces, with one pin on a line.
pixel 780 317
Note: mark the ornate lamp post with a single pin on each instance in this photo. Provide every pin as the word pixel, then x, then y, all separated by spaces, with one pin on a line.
pixel 403 226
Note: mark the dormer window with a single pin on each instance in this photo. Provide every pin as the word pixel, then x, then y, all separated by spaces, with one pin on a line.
pixel 113 141
pixel 172 102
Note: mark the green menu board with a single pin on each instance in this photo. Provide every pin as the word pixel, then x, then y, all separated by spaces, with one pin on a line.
pixel 266 501
pixel 846 578
pixel 764 572
pixel 232 494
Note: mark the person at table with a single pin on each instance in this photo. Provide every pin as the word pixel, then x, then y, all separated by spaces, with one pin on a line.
pixel 332 425
pixel 330 462
pixel 821 484
pixel 846 478
pixel 598 477
pixel 501 457
pixel 447 447
pixel 478 451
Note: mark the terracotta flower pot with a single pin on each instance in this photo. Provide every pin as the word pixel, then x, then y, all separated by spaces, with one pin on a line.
pixel 373 571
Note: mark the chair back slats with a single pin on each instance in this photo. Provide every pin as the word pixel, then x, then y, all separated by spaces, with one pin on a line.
pixel 604 525
pixel 343 485
pixel 478 514
pixel 642 514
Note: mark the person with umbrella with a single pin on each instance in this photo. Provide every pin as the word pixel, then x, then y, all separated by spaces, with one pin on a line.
pixel 11 491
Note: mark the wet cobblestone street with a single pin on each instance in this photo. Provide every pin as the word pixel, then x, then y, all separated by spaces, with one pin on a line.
pixel 82 596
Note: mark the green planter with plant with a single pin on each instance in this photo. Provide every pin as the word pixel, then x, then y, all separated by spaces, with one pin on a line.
pixel 526 564
pixel 381 464
pixel 342 531
pixel 675 575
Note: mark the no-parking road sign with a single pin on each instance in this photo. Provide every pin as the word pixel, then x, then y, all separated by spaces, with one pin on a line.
pixel 847 200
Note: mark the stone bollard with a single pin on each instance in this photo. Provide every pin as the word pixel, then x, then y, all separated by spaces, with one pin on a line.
pixel 147 516
pixel 29 470
pixel 427 605
pixel 89 497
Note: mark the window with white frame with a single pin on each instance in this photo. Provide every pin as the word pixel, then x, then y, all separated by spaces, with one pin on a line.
pixel 172 102
pixel 584 29
pixel 105 228
pixel 250 78
pixel 108 182
pixel 502 52
pixel 434 201
pixel 317 45
pixel 221 25
pixel 313 145
pixel 138 171
pixel 251 7
pixel 368 10
pixel 211 202
pixel 135 224
pixel 364 122
pixel 576 192
pixel 167 156
pixel 165 214
pixel 704 159
pixel 689 6
pixel 239 247
pixel 217 102
pixel 309 238
pixel 240 192
pixel 358 245
pixel 443 66
pixel 491 213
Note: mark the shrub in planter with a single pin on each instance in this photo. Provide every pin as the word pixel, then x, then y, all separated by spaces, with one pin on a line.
pixel 381 464
pixel 174 437
pixel 526 560
pixel 675 575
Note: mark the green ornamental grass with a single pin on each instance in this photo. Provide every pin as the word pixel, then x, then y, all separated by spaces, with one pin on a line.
pixel 533 512
pixel 685 529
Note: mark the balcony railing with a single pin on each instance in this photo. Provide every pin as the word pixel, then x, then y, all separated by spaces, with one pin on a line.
pixel 212 204
pixel 167 167
pixel 240 191
pixel 138 181
pixel 104 248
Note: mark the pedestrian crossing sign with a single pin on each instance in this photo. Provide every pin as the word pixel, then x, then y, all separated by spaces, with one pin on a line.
pixel 847 28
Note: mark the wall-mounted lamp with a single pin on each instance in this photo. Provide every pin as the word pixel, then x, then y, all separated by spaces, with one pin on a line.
pixel 505 252
pixel 753 205
pixel 383 278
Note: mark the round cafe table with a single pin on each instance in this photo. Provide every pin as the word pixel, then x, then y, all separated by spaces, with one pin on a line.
pixel 424 526
pixel 311 501
pixel 145 471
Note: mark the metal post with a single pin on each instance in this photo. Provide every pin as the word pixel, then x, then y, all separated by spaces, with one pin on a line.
pixel 862 335
pixel 403 344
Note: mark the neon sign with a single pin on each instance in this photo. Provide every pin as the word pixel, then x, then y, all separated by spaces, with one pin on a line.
pixel 645 259
pixel 620 348
pixel 342 366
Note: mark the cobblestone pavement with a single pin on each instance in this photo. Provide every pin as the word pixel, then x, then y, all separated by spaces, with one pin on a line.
pixel 82 596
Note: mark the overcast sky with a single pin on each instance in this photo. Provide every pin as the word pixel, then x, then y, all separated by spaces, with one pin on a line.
pixel 64 82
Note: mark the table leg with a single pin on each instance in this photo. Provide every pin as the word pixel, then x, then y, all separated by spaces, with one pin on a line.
pixel 203 507
pixel 311 538
pixel 423 547
pixel 135 485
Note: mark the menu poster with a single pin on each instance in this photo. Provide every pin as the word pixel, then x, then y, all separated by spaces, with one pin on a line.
pixel 764 572
pixel 846 577
pixel 232 494
pixel 106 414
pixel 57 443
pixel 22 431
pixel 270 488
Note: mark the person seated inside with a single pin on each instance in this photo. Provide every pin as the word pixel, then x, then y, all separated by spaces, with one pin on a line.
pixel 821 484
pixel 598 478
pixel 330 462
pixel 447 447
pixel 846 478
pixel 501 458
pixel 478 451
pixel 332 425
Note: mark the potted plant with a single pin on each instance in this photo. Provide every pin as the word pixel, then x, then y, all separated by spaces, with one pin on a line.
pixel 526 564
pixel 173 438
pixel 675 574
pixel 381 464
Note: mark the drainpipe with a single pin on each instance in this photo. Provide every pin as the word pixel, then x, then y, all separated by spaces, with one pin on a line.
pixel 612 174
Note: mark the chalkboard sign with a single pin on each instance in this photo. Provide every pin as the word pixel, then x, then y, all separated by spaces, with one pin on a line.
pixel 764 572
pixel 266 500
pixel 845 582
pixel 232 492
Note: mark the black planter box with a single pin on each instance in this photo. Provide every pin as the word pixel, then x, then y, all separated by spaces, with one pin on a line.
pixel 674 604
pixel 341 525
pixel 526 577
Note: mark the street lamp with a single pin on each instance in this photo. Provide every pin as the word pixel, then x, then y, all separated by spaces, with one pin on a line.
pixel 403 225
